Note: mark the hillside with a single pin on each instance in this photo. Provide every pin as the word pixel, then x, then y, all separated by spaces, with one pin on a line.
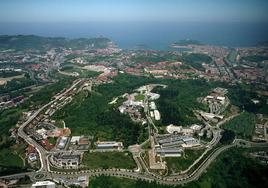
pixel 27 42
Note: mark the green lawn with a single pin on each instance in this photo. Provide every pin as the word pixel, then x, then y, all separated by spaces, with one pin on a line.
pixel 139 97
pixel 108 160
pixel 52 140
pixel 176 164
pixel 243 125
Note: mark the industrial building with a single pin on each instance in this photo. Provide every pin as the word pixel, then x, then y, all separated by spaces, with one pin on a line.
pixel 170 140
pixel 110 145
pixel 169 152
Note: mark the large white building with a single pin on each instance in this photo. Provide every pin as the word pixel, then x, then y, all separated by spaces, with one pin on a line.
pixel 156 115
pixel 44 184
pixel 172 129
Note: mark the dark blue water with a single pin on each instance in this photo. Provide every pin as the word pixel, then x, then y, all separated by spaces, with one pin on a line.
pixel 156 35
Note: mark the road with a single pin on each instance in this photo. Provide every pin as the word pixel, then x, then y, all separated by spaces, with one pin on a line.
pixel 41 151
pixel 169 180
pixel 178 179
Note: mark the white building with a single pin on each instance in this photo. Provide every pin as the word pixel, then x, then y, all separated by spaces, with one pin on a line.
pixel 221 99
pixel 122 109
pixel 152 114
pixel 172 128
pixel 75 139
pixel 156 115
pixel 44 184
pixel 152 106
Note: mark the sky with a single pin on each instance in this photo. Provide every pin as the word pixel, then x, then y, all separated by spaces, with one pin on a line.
pixel 51 11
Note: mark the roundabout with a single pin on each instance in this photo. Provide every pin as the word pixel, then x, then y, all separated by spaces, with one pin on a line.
pixel 39 176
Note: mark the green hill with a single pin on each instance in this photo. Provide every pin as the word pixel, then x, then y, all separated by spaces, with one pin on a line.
pixel 27 42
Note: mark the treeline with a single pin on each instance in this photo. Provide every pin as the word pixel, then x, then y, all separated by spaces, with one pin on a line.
pixel 254 58
pixel 6 74
pixel 32 42
pixel 241 95
pixel 45 94
pixel 8 119
pixel 113 182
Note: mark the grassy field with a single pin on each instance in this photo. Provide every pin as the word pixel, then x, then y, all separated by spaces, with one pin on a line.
pixel 83 73
pixel 176 164
pixel 243 125
pixel 139 97
pixel 108 160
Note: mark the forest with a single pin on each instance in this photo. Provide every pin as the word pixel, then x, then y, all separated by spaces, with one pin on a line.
pixel 242 125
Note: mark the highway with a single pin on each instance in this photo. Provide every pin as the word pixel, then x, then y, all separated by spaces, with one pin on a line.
pixel 169 180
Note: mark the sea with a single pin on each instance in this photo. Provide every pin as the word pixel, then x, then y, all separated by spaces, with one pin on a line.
pixel 149 35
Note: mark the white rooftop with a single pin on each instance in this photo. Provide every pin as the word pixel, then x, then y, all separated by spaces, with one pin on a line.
pixel 43 183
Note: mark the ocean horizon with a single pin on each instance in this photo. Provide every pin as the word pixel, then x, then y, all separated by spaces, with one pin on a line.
pixel 152 35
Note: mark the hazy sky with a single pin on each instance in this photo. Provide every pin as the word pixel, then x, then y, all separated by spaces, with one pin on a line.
pixel 133 10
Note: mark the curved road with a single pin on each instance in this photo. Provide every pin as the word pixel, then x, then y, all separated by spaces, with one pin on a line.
pixel 147 176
